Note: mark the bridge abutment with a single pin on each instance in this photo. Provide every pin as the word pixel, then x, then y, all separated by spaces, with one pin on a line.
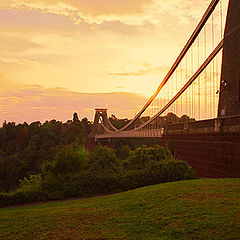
pixel 214 155
pixel 93 143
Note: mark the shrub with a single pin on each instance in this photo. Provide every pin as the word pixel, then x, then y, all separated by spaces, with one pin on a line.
pixel 104 159
pixel 176 170
pixel 143 155
pixel 68 159
pixel 157 172
pixel 123 152
pixel 29 190
pixel 66 185
pixel 72 175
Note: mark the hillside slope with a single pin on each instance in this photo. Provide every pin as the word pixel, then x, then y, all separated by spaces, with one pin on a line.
pixel 196 209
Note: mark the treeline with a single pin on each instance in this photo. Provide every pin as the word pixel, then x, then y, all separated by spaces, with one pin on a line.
pixel 49 161
pixel 76 172
pixel 25 147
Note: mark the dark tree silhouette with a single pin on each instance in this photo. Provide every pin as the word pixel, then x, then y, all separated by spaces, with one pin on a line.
pixel 75 117
pixel 24 148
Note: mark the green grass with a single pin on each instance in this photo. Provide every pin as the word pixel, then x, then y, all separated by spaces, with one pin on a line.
pixel 197 209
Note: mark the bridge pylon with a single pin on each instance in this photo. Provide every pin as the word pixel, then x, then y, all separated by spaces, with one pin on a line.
pixel 229 99
pixel 100 116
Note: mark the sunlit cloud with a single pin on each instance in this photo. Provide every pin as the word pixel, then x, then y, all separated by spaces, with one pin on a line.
pixel 98 11
pixel 33 103
pixel 142 72
pixel 91 7
pixel 90 11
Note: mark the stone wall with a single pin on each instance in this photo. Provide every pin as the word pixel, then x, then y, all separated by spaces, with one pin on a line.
pixel 213 155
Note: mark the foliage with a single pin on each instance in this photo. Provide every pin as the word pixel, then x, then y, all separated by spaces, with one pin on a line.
pixel 157 172
pixel 66 185
pixel 118 123
pixel 104 159
pixel 2 168
pixel 143 156
pixel 70 175
pixel 74 172
pixel 24 147
pixel 123 152
pixel 68 159
pixel 29 190
pixel 63 176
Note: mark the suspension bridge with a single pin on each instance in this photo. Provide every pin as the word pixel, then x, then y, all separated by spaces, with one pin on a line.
pixel 203 85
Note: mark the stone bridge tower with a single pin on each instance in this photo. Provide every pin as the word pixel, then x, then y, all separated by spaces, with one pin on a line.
pixel 100 115
pixel 229 99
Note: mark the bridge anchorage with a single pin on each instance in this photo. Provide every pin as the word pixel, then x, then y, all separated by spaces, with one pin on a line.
pixel 198 101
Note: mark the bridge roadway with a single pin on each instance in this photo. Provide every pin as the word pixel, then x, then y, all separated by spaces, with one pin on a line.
pixel 153 133
pixel 223 124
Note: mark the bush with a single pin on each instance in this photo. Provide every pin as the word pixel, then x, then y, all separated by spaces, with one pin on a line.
pixel 103 173
pixel 123 152
pixel 143 156
pixel 66 185
pixel 104 159
pixel 157 172
pixel 29 190
pixel 68 159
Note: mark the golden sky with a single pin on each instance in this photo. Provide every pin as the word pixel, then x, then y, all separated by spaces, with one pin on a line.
pixel 57 54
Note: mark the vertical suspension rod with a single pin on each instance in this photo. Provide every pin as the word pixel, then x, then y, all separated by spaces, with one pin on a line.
pixel 190 42
pixel 185 87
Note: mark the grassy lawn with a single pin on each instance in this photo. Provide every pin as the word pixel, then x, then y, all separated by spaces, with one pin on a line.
pixel 197 209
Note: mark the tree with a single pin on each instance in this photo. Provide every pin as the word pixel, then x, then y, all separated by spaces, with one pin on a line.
pixel 118 123
pixel 14 170
pixel 104 158
pixel 75 117
pixel 123 152
pixel 87 126
pixel 25 147
pixel 22 137
pixel 2 171
pixel 144 155
pixel 68 159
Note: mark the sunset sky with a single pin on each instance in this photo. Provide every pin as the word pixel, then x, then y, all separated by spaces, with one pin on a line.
pixel 62 56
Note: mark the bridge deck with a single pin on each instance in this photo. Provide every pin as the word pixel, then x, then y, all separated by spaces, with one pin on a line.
pixel 154 133
pixel 224 124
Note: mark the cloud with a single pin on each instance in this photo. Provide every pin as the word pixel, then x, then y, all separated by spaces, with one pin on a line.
pixel 16 44
pixel 81 9
pixel 39 45
pixel 134 12
pixel 142 72
pixel 91 7
pixel 33 103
